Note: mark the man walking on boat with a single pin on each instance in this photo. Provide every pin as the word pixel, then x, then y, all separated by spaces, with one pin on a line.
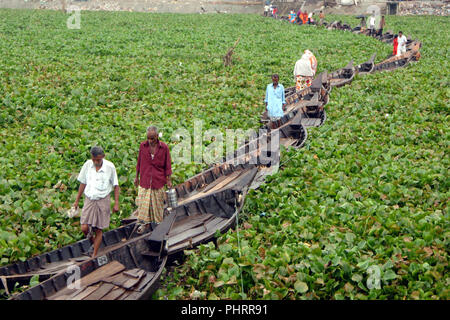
pixel 153 171
pixel 304 70
pixel 275 101
pixel 98 177
pixel 401 43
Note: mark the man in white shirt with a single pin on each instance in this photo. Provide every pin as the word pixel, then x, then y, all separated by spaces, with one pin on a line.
pixel 266 10
pixel 401 43
pixel 98 177
pixel 372 24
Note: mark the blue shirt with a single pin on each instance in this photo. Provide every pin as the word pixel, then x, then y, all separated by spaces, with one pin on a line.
pixel 275 100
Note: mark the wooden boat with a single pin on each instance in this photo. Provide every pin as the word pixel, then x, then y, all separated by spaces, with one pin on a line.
pixel 47 264
pixel 259 150
pixel 342 76
pixel 395 62
pixel 208 202
pixel 210 209
pixel 356 29
pixel 366 67
pixel 289 91
pixel 387 37
pixel 312 102
pixel 130 271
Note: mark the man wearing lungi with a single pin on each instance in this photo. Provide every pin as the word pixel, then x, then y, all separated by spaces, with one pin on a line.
pixel 98 177
pixel 275 101
pixel 153 171
pixel 304 70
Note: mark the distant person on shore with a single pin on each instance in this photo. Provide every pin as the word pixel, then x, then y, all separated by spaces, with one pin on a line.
pixel 372 24
pixel 275 12
pixel 266 9
pixel 382 25
pixel 304 17
pixel 395 43
pixel 401 43
pixel 321 18
pixel 310 20
pixel 292 16
pixel 363 24
pixel 98 177
pixel 275 101
pixel 299 14
pixel 305 70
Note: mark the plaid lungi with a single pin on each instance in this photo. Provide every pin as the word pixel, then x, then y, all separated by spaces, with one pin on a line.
pixel 96 213
pixel 150 204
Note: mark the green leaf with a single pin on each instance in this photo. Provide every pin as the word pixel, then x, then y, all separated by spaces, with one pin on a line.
pixel 301 286
pixel 34 281
pixel 389 275
pixel 357 277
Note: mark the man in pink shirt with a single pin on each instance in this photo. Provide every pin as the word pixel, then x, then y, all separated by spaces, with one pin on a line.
pixel 153 171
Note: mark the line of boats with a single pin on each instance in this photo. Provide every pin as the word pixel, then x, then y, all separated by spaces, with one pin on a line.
pixel 129 265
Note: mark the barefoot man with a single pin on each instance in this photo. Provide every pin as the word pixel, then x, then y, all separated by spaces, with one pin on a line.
pixel 153 171
pixel 98 177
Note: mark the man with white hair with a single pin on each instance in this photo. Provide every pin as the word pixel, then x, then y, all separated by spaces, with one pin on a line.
pixel 305 70
pixel 153 171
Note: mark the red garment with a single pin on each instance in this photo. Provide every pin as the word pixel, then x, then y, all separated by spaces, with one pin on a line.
pixel 153 172
pixel 395 46
pixel 304 17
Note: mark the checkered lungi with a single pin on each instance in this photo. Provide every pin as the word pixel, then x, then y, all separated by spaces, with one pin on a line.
pixel 150 204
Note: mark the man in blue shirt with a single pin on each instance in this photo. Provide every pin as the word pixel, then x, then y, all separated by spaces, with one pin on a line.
pixel 275 101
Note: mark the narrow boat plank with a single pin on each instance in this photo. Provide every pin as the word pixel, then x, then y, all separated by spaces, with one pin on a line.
pixel 102 291
pixel 211 231
pixel 134 273
pixel 91 278
pixel 189 224
pixel 211 224
pixel 114 294
pixel 131 282
pixel 213 184
pixel 85 293
pixel 136 293
pixel 197 194
pixel 103 272
pixel 80 259
pixel 148 277
pixel 184 220
pixel 226 180
pixel 117 280
pixel 71 295
pixel 229 178
pixel 124 295
pixel 185 235
pixel 243 179
pixel 211 227
pixel 66 294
